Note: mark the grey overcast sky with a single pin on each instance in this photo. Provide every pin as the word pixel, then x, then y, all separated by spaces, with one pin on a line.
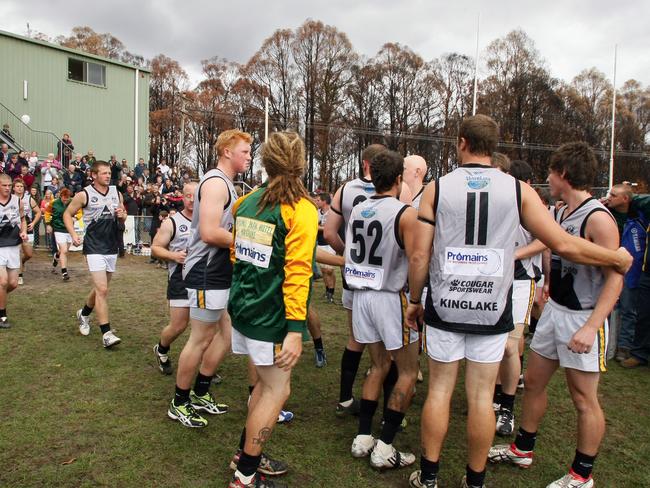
pixel 571 35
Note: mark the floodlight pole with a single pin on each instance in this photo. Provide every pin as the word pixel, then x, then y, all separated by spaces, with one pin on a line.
pixel 478 24
pixel 266 118
pixel 182 134
pixel 611 148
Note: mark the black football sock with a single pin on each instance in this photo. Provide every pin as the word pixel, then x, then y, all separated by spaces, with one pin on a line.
pixel 248 464
pixel 474 478
pixel 105 327
pixel 429 469
pixel 507 401
pixel 181 396
pixel 162 349
pixel 583 464
pixel 525 441
pixel 392 421
pixel 367 410
pixel 86 311
pixel 202 384
pixel 349 367
pixel 318 343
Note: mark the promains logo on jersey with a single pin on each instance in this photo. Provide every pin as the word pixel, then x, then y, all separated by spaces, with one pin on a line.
pixel 363 277
pixel 253 253
pixel 253 241
pixel 468 261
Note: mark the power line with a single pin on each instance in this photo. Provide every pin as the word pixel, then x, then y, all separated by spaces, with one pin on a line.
pixel 417 136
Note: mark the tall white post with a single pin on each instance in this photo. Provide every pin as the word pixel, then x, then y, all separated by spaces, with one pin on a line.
pixel 182 135
pixel 266 118
pixel 478 24
pixel 611 148
pixel 135 117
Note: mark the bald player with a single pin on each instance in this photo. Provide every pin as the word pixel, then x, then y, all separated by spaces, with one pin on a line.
pixel 415 169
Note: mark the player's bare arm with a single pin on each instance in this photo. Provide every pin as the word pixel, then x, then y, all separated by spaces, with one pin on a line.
pixel 36 211
pixel 333 223
pixel 528 251
pixel 420 256
pixel 23 223
pixel 77 202
pixel 601 229
pixel 538 221
pixel 120 212
pixel 214 196
pixel 324 257
pixel 160 244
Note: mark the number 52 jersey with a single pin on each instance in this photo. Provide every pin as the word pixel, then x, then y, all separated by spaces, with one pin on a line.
pixel 374 253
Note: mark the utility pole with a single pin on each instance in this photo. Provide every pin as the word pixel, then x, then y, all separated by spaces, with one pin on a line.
pixel 611 148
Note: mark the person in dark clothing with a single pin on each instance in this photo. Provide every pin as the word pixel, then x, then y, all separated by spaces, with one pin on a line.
pixel 4 153
pixel 139 168
pixel 116 169
pixel 131 201
pixel 64 150
pixel 73 178
pixel 155 225
pixel 168 187
pixel 12 168
pixel 640 352
pixel 7 133
pixel 132 205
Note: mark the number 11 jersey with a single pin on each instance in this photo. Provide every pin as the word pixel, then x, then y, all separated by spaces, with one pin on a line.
pixel 477 215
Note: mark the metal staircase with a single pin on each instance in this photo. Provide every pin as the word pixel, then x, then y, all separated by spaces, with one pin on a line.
pixel 23 137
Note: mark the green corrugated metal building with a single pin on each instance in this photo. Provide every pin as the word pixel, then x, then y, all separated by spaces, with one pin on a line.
pixel 102 103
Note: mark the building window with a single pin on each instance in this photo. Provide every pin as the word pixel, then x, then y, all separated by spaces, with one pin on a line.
pixel 86 72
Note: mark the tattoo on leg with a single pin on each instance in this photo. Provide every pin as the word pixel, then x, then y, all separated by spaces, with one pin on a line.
pixel 397 398
pixel 263 436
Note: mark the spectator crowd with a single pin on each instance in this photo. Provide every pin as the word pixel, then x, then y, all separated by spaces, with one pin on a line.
pixel 145 193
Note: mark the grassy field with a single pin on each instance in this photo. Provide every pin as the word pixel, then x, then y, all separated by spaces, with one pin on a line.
pixel 78 415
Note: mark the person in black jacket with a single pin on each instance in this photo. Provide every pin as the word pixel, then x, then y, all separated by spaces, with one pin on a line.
pixel 64 150
pixel 116 169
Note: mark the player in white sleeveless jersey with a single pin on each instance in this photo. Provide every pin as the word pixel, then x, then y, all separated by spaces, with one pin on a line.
pixel 415 170
pixel 13 232
pixel 323 202
pixel 102 208
pixel 572 331
pixel 345 198
pixel 207 272
pixel 170 243
pixel 527 271
pixel 32 213
pixel 379 239
pixel 475 212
